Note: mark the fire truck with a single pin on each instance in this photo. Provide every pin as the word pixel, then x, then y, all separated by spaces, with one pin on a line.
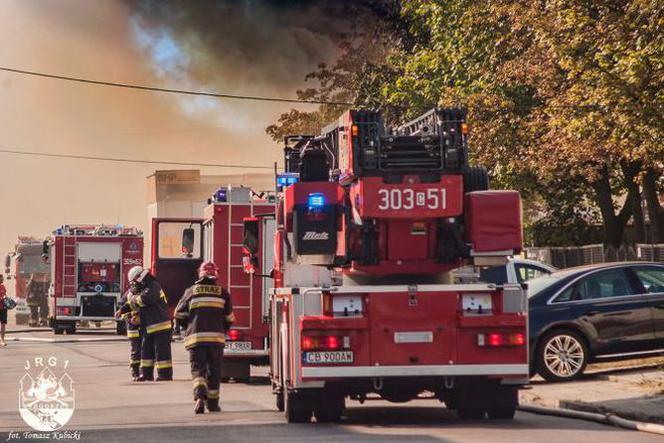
pixel 370 222
pixel 27 262
pixel 89 265
pixel 180 245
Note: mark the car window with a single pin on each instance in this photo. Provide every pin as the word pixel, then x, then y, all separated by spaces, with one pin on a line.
pixel 651 278
pixel 525 272
pixel 494 274
pixel 611 283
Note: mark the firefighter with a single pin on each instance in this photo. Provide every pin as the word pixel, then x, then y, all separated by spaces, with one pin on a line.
pixel 37 301
pixel 149 300
pixel 132 320
pixel 206 312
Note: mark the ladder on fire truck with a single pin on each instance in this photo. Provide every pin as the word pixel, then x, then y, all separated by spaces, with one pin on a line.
pixel 235 257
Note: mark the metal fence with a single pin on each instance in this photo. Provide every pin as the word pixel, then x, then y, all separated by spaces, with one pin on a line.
pixel 566 257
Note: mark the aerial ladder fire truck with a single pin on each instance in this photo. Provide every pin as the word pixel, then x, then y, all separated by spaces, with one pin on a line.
pixel 370 224
pixel 23 263
pixel 89 266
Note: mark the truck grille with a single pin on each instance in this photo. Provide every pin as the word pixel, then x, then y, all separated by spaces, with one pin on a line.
pixel 97 306
pixel 410 153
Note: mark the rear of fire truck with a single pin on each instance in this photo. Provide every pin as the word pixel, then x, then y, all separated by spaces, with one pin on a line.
pixel 26 262
pixel 89 272
pixel 364 304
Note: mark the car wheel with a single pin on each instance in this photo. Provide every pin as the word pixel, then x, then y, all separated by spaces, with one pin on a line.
pixel 562 356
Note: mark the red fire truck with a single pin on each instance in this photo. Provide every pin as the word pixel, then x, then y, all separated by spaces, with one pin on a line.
pixel 27 262
pixel 180 245
pixel 89 265
pixel 364 305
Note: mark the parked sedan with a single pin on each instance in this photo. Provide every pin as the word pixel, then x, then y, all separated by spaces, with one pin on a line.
pixel 611 311
pixel 516 270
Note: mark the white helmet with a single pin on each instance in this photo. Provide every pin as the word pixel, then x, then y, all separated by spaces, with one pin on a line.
pixel 136 274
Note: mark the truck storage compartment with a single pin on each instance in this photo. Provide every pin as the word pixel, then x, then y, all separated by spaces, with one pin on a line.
pixel 493 221
pixel 416 328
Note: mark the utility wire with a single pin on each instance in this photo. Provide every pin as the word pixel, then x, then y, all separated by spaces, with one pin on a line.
pixel 172 91
pixel 131 160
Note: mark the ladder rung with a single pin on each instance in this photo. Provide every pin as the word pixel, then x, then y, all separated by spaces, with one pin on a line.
pixel 240 286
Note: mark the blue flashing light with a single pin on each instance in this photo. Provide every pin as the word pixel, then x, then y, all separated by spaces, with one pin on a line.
pixel 221 195
pixel 286 179
pixel 316 200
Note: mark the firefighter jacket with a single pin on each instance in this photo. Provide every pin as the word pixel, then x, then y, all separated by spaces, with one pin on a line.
pixel 207 311
pixel 151 304
pixel 36 292
pixel 130 316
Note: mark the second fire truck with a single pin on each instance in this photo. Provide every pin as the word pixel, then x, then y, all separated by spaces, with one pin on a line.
pixel 370 222
pixel 23 263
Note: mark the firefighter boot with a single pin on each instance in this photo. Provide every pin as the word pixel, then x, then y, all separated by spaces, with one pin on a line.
pixel 213 405
pixel 200 406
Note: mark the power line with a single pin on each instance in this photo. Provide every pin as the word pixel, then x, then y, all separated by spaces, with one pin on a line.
pixel 173 91
pixel 131 160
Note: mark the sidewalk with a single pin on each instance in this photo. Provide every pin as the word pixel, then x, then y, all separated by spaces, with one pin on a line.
pixel 618 388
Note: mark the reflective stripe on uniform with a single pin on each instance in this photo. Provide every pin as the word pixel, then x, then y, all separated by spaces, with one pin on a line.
pixel 204 337
pixel 213 394
pixel 147 363
pixel 207 302
pixel 134 362
pixel 181 315
pixel 163 326
pixel 163 364
pixel 138 301
pixel 199 381
pixel 133 333
pixel 230 318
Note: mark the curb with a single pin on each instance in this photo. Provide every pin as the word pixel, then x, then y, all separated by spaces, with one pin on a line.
pixel 67 340
pixel 607 419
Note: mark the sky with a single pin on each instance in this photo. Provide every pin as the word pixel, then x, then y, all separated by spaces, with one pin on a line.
pixel 254 49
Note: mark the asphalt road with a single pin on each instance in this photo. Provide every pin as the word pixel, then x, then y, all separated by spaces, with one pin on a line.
pixel 109 407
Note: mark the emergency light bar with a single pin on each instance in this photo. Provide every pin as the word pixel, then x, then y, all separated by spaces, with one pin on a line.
pixel 316 200
pixel 286 179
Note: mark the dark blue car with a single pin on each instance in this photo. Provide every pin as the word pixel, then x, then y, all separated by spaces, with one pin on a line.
pixel 611 311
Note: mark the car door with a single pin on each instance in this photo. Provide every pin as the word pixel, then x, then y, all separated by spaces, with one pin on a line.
pixel 651 278
pixel 619 320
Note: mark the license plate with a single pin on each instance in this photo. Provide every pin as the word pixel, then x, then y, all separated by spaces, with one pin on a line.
pixel 328 357
pixel 238 346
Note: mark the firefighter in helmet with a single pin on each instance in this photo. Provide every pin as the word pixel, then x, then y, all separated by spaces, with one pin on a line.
pixel 135 333
pixel 37 301
pixel 206 312
pixel 149 300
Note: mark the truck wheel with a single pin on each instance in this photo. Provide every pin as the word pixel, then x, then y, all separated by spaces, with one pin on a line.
pixel 330 409
pixel 71 327
pixel 562 355
pixel 475 178
pixel 280 401
pixel 501 413
pixel 295 410
pixel 121 328
pixel 471 413
pixel 57 330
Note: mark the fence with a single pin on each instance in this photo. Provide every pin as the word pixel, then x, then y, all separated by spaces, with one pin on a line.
pixel 566 257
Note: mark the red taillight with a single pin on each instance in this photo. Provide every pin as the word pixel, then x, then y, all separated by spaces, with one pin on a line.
pixel 307 343
pixel 500 339
pixel 233 335
pixel 322 342
pixel 332 342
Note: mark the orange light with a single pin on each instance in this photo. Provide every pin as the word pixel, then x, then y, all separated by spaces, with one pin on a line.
pixel 465 128
pixel 307 343
pixel 355 130
pixel 518 339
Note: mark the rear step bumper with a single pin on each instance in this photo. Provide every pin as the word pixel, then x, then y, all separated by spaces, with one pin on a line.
pixel 415 371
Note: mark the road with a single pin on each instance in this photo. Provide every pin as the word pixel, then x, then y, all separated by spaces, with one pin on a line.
pixel 109 407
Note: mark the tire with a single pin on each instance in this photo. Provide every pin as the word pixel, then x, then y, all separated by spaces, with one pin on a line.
pixel 501 413
pixel 294 409
pixel 121 328
pixel 58 331
pixel 475 178
pixel 330 409
pixel 280 401
pixel 471 413
pixel 561 355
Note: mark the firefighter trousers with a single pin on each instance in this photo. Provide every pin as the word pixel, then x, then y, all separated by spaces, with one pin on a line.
pixel 156 353
pixel 206 371
pixel 135 356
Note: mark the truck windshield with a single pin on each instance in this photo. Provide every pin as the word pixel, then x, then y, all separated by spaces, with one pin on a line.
pixel 32 263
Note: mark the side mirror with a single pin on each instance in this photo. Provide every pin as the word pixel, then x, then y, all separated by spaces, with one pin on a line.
pixel 250 238
pixel 188 236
